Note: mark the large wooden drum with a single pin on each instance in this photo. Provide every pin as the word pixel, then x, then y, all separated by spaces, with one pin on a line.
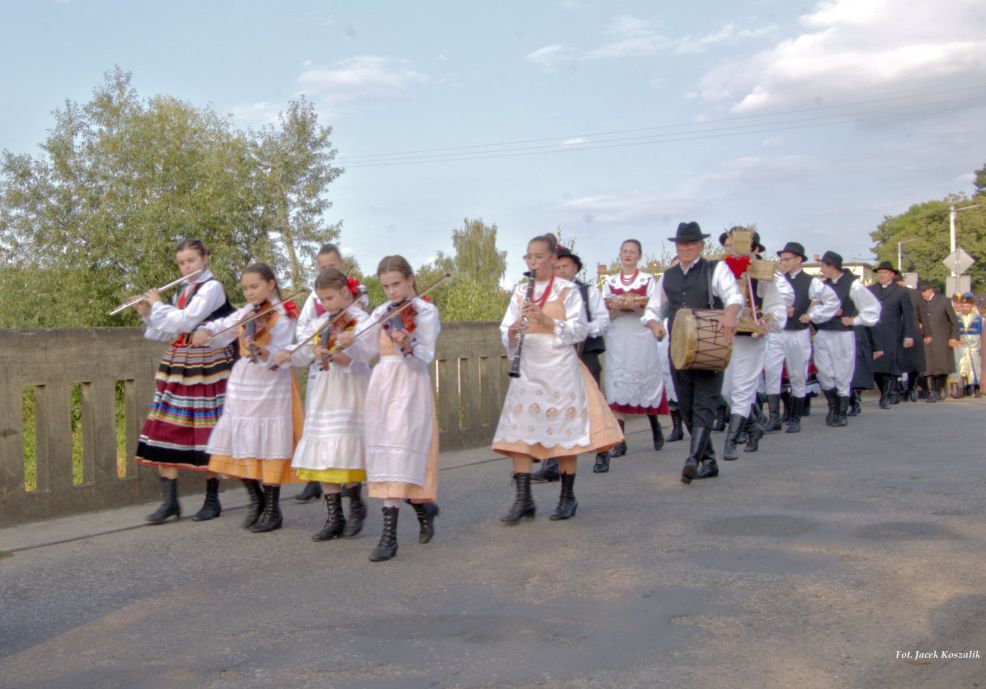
pixel 698 342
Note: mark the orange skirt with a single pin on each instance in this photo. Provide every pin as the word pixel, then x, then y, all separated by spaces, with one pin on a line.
pixel 397 490
pixel 604 431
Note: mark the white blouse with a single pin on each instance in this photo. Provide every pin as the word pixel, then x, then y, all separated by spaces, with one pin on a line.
pixel 423 339
pixel 570 331
pixel 166 321
pixel 281 336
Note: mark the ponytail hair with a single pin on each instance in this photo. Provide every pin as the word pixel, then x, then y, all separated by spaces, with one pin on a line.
pixel 549 240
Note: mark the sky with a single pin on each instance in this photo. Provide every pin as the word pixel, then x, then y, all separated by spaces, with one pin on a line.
pixel 608 120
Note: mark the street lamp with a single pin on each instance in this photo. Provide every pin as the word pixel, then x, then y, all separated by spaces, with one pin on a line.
pixel 900 264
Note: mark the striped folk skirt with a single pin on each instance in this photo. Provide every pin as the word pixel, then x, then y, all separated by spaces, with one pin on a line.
pixel 188 400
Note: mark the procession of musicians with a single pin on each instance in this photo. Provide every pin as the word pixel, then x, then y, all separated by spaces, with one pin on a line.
pixel 731 339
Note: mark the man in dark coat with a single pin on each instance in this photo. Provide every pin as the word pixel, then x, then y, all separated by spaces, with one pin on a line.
pixel 941 336
pixel 913 364
pixel 894 331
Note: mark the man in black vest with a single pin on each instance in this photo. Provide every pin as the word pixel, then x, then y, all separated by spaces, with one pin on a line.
pixel 792 346
pixel 696 283
pixel 568 266
pixel 895 331
pixel 835 342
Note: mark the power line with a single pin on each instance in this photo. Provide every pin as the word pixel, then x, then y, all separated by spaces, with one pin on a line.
pixel 756 121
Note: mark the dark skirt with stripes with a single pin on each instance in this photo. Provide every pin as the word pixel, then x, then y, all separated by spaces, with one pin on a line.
pixel 188 400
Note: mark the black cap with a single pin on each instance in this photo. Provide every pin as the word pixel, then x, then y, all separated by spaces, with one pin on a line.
pixel 833 259
pixel 794 248
pixel 885 265
pixel 688 232
pixel 924 285
pixel 565 252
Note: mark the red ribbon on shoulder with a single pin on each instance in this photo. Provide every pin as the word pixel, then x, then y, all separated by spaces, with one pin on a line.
pixel 427 299
pixel 291 309
pixel 737 264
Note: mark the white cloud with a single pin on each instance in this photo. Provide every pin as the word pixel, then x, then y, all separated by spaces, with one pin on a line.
pixel 574 141
pixel 632 37
pixel 365 77
pixel 262 112
pixel 856 49
pixel 550 56
pixel 728 33
pixel 966 178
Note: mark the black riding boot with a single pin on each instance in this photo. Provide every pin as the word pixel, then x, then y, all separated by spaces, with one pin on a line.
pixel 335 522
pixel 754 431
pixel 256 494
pixel 774 410
pixel 797 407
pixel 567 504
pixel 854 404
pixel 676 432
pixel 547 472
pixel 620 449
pixel 523 503
pixel 656 433
pixel 841 411
pixel 709 468
pixel 832 396
pixel 312 490
pixel 883 382
pixel 426 519
pixel 169 502
pixel 720 423
pixel 387 547
pixel 933 395
pixel 211 508
pixel 806 406
pixel 729 451
pixel 893 391
pixel 786 398
pixel 271 518
pixel 696 451
pixel 357 510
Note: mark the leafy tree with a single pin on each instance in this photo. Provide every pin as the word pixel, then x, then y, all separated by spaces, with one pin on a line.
pixel 121 180
pixel 980 180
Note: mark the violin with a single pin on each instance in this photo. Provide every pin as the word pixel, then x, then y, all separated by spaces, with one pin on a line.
pixel 336 324
pixel 256 327
pixel 403 320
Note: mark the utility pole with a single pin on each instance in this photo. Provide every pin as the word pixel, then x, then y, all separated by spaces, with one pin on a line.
pixel 951 232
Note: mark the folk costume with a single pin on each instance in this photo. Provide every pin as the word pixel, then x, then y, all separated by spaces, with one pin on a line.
pixel 863 377
pixel 400 429
pixel 311 311
pixel 332 450
pixel 741 379
pixel 634 385
pixel 968 355
pixel 835 342
pixel 942 326
pixel 790 348
pixel 704 284
pixel 190 390
pixel 896 324
pixel 263 419
pixel 555 408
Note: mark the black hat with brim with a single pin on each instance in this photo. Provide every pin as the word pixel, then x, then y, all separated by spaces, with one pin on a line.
pixel 794 248
pixel 885 265
pixel 924 285
pixel 833 259
pixel 565 252
pixel 688 232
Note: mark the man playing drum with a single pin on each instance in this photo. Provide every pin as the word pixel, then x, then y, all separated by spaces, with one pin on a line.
pixel 696 283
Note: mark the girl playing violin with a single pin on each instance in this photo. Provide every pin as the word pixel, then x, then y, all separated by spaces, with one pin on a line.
pixel 191 382
pixel 401 430
pixel 328 256
pixel 331 448
pixel 255 438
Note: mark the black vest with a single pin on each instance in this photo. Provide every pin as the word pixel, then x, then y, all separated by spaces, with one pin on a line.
pixel 184 339
pixel 591 345
pixel 801 285
pixel 841 289
pixel 692 290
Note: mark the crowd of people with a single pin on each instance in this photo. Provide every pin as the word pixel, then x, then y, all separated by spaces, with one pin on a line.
pixel 227 405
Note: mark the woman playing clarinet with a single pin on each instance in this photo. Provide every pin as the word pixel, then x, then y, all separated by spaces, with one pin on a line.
pixel 553 407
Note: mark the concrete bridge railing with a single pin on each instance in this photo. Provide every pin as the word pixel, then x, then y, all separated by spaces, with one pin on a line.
pixel 72 403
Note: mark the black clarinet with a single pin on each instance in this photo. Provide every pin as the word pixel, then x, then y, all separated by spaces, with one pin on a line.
pixel 514 371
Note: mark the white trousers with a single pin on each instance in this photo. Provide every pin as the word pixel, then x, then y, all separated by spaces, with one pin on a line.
pixel 794 348
pixel 742 377
pixel 835 359
pixel 664 361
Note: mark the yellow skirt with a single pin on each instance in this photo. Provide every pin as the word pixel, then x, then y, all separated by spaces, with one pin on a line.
pixel 332 475
pixel 604 431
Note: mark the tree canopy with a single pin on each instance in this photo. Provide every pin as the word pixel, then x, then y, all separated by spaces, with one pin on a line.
pixel 121 180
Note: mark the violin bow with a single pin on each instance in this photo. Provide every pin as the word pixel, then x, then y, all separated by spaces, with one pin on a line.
pixel 332 321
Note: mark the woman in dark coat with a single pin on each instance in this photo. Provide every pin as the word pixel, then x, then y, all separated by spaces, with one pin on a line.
pixel 868 351
pixel 941 335
pixel 895 331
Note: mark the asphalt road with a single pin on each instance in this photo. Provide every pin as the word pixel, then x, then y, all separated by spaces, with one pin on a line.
pixel 820 561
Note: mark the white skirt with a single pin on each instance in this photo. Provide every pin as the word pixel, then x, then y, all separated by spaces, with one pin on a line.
pixel 256 420
pixel 333 435
pixel 632 374
pixel 547 404
pixel 400 413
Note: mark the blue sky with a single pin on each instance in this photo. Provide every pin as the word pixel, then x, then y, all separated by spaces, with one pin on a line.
pixel 812 119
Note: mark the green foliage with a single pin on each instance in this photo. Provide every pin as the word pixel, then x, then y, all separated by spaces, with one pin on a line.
pixel 924 226
pixel 980 180
pixel 121 180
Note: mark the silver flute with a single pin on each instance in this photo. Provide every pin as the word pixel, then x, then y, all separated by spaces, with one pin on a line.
pixel 514 371
pixel 136 300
